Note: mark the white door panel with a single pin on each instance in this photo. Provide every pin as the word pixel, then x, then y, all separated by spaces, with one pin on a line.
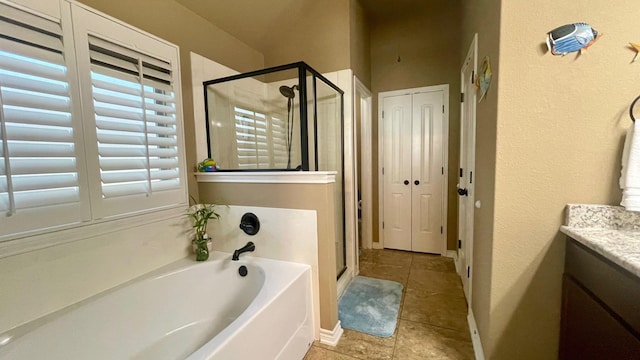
pixel 413 172
pixel 397 170
pixel 427 176
pixel 467 167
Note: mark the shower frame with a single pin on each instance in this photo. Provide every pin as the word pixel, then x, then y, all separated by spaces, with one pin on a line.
pixel 303 71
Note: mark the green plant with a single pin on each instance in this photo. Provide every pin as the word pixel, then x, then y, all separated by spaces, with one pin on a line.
pixel 200 214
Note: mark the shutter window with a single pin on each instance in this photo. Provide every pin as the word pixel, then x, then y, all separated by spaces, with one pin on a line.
pixel 134 108
pixel 279 142
pixel 261 140
pixel 38 162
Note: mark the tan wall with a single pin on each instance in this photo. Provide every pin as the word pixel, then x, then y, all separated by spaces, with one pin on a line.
pixel 559 140
pixel 318 197
pixel 554 137
pixel 427 43
pixel 320 38
pixel 483 17
pixel 175 23
pixel 359 38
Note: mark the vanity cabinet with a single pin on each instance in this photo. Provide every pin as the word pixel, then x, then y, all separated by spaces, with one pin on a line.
pixel 600 308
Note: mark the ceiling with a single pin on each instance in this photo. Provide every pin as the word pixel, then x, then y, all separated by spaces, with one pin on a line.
pixel 253 22
pixel 256 21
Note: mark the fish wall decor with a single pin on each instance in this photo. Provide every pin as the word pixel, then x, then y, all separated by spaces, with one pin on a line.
pixel 635 47
pixel 571 38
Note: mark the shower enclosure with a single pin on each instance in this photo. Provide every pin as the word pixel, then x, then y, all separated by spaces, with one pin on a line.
pixel 284 118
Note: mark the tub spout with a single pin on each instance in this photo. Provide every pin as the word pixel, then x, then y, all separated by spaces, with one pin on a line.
pixel 250 247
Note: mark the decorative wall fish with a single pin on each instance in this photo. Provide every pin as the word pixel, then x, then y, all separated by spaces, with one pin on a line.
pixel 571 38
pixel 636 48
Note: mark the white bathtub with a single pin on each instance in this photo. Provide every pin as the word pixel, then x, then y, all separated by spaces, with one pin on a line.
pixel 186 310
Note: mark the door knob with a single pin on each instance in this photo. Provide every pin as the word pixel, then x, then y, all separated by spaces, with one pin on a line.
pixel 417 182
pixel 406 182
pixel 463 192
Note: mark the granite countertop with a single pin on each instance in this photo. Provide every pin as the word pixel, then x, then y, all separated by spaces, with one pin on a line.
pixel 610 231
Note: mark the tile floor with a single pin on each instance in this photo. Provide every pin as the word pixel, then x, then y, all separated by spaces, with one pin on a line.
pixel 433 313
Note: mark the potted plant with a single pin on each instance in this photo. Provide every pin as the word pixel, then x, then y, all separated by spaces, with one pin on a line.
pixel 200 214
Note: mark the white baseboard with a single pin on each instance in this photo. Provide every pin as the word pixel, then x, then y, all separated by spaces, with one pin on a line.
pixel 454 255
pixel 377 245
pixel 475 337
pixel 331 337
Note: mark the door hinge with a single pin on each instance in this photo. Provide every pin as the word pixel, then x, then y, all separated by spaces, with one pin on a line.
pixel 470 177
pixel 441 230
pixel 383 224
pixel 382 171
pixel 468 271
pixel 460 172
pixel 442 170
pixel 443 109
pixel 459 244
pixel 461 97
pixel 383 114
pixel 473 76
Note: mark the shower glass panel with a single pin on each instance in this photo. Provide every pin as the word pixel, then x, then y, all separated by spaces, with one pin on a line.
pixel 284 118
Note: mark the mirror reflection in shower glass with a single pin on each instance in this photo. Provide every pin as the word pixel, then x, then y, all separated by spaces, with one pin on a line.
pixel 254 122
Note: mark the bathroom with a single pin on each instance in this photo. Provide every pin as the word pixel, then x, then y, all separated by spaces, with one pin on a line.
pixel 550 132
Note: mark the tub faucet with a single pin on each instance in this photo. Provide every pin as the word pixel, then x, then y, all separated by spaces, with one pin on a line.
pixel 250 247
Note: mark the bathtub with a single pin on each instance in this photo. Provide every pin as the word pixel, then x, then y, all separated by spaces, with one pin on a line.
pixel 185 310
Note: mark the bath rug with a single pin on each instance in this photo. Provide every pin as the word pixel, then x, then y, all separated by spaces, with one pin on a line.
pixel 370 306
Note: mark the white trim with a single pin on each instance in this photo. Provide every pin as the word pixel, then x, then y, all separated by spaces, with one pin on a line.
pixel 445 154
pixel 377 245
pixel 366 183
pixel 475 336
pixel 331 337
pixel 269 177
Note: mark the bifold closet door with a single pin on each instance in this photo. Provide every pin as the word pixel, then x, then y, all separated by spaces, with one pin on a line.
pixel 427 173
pixel 397 124
pixel 412 172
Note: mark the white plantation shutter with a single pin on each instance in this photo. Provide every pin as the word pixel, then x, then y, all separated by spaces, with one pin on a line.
pixel 136 128
pixel 278 133
pixel 251 139
pixel 260 140
pixel 39 182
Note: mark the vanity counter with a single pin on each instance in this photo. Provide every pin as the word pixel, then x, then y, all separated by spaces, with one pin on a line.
pixel 610 231
pixel 601 284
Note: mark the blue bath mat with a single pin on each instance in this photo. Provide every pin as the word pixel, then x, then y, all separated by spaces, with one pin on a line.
pixel 370 306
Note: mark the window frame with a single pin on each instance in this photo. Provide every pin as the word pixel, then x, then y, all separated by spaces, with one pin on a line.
pixel 71 15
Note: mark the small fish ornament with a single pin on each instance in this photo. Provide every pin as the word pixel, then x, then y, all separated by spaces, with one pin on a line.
pixel 571 38
pixel 635 47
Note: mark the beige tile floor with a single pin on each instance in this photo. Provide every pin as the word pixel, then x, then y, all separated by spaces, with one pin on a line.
pixel 433 312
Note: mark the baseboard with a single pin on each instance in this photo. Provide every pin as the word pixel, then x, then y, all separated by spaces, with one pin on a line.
pixel 475 337
pixel 331 337
pixel 377 245
pixel 454 255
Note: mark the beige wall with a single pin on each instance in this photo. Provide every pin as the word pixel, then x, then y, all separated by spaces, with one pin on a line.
pixel 558 137
pixel 360 41
pixel 320 38
pixel 427 43
pixel 177 24
pixel 318 197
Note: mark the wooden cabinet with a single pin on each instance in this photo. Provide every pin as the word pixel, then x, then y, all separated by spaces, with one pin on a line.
pixel 600 308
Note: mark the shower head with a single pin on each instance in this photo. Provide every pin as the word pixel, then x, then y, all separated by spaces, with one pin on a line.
pixel 287 91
